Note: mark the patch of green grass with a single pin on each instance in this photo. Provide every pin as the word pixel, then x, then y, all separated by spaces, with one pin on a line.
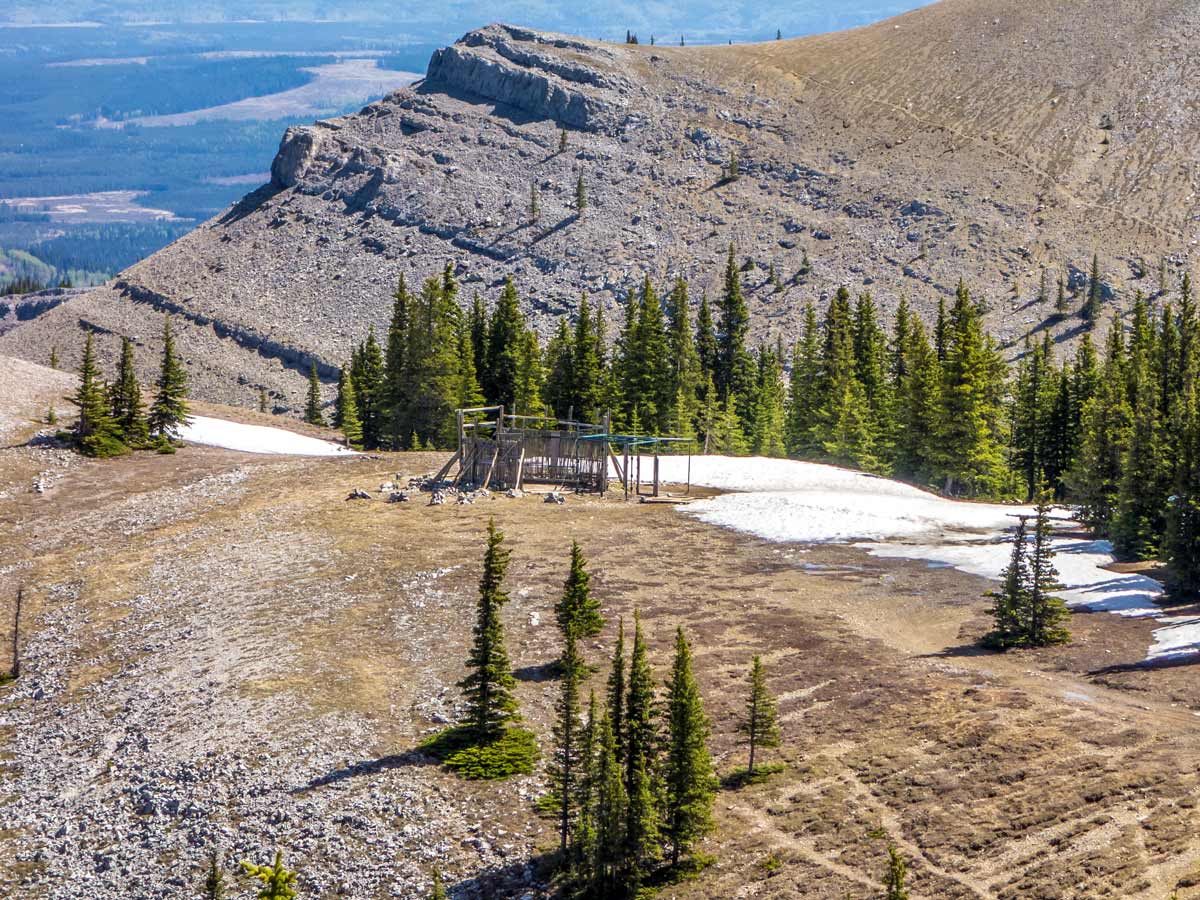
pixel 547 805
pixel 514 752
pixel 771 863
pixel 740 778
pixel 6 678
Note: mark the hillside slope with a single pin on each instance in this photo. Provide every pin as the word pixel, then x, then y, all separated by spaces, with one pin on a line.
pixel 973 138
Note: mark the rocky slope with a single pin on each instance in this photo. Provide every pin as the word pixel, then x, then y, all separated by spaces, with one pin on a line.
pixel 973 138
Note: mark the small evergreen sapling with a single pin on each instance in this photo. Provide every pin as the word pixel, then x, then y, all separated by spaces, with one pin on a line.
pixel 896 875
pixel 562 140
pixel 690 782
pixel 262 400
pixel 277 880
pixel 214 881
pixel 488 688
pixel 347 411
pixel 760 727
pixel 439 889
pixel 54 357
pixel 581 198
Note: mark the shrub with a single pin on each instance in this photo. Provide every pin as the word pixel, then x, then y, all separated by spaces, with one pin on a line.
pixel 514 752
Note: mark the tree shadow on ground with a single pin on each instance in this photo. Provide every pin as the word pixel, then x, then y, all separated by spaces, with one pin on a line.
pixel 368 767
pixel 250 203
pixel 538 674
pixel 516 879
pixel 549 232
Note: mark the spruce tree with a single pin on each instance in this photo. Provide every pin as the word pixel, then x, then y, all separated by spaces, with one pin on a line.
pixel 768 405
pixel 641 743
pixel 1046 614
pixel 277 879
pixel 1011 601
pixel 488 688
pixel 804 401
pixel 1182 544
pixel 1138 523
pixel 760 727
pixel 583 839
pixel 479 339
pixel 169 409
pixel 347 413
pixel 1095 291
pixel 562 140
pixel 941 331
pixel 1105 426
pixel 128 411
pixel 371 393
pixel 587 366
pixel 607 868
pixel 707 349
pixel 504 348
pixel 734 372
pixel 214 880
pixel 96 434
pixel 918 408
pixel 616 693
pixel 54 357
pixel 581 198
pixel 565 764
pixel 439 889
pixel 683 360
pixel 1060 303
pixel 396 401
pixel 897 873
pixel 577 611
pixel 262 400
pixel 535 206
pixel 690 781
pixel 312 407
pixel 971 387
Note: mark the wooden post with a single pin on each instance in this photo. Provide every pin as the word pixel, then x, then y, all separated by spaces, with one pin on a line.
pixel 488 479
pixel 16 644
pixel 520 469
pixel 467 463
pixel 446 468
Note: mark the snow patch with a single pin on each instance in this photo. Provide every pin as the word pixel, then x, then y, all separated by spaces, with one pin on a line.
pixel 788 500
pixel 256 438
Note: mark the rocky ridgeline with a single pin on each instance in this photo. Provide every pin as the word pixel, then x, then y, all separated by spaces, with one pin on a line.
pixel 443 170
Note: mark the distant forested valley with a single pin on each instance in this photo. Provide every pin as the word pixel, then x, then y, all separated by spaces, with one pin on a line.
pixel 68 98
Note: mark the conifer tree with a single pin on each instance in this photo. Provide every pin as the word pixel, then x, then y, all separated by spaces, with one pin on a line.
pixel 683 360
pixel 918 414
pixel 1010 602
pixel 1042 296
pixel 1182 542
pixel 971 460
pixel 169 409
pixel 504 348
pixel 347 413
pixel 734 371
pixel 769 414
pixel 467 392
pixel 897 873
pixel 760 727
pixel 312 407
pixel 565 764
pixel 1106 423
pixel 562 140
pixel 1046 614
pixel 560 360
pixel 128 411
pixel 214 880
pixel 804 401
pixel 1095 291
pixel 616 693
pixel 535 206
pixel 690 781
pixel 1060 302
pixel 51 415
pixel 609 863
pixel 725 435
pixel 395 369
pixel 479 339
pixel 941 331
pixel 488 688
pixel 583 839
pixel 96 434
pixel 587 366
pixel 641 742
pixel 54 357
pixel 277 879
pixel 707 349
pixel 581 198
pixel 370 390
pixel 262 400
pixel 577 611
pixel 439 889
pixel 1138 523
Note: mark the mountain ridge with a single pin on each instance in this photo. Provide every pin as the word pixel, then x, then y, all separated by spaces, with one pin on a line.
pixel 994 169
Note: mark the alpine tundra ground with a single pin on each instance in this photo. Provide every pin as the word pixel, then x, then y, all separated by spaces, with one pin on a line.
pixel 220 650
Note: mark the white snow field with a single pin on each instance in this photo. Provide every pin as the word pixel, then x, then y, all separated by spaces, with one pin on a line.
pixel 256 438
pixel 788 500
